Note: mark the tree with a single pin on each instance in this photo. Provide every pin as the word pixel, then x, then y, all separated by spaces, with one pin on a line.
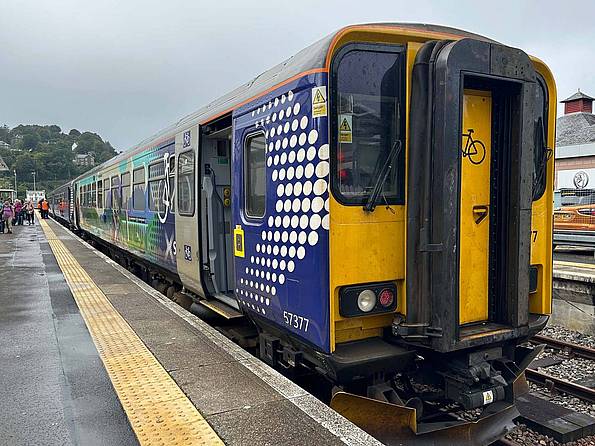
pixel 25 163
pixel 30 141
pixel 47 151
pixel 5 133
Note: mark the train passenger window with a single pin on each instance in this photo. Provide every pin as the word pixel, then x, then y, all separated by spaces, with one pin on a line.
pixel 186 183
pixel 172 183
pixel 156 186
pixel 255 175
pixel 116 201
pixel 367 122
pixel 138 189
pixel 99 193
pixel 93 196
pixel 125 178
pixel 108 203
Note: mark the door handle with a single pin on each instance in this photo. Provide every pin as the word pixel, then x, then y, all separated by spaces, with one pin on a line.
pixel 480 212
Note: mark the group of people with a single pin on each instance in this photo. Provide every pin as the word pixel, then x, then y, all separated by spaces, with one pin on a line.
pixel 14 214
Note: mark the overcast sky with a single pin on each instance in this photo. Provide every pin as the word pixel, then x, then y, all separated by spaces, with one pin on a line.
pixel 127 68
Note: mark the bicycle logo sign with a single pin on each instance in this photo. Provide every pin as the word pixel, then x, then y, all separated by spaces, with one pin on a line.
pixel 474 149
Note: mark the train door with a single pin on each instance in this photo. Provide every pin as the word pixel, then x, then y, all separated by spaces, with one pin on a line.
pixel 187 215
pixel 216 234
pixel 475 206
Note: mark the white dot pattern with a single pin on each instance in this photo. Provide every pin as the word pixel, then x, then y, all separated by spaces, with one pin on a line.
pixel 297 160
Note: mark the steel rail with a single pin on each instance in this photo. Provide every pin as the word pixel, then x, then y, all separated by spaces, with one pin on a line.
pixel 504 442
pixel 578 350
pixel 582 392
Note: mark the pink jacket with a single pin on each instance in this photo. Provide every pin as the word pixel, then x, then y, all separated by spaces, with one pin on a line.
pixel 7 212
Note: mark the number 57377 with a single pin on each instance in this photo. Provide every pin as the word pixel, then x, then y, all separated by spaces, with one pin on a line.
pixel 296 321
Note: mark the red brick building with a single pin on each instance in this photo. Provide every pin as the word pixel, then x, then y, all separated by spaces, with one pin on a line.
pixel 575 143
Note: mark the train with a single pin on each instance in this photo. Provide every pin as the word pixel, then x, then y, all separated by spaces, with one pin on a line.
pixel 378 207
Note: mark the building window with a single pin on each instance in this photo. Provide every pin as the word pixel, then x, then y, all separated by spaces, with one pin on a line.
pixel 156 186
pixel 125 177
pixel 116 193
pixel 186 183
pixel 138 189
pixel 255 175
pixel 367 122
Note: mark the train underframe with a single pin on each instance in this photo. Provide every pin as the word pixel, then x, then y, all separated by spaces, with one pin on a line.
pixel 399 391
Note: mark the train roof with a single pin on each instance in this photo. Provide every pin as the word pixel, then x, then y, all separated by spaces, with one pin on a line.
pixel 310 58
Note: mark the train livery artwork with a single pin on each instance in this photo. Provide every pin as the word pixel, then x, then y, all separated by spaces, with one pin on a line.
pixel 378 209
pixel 131 205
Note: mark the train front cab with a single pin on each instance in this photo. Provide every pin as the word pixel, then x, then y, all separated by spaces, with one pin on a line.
pixel 461 229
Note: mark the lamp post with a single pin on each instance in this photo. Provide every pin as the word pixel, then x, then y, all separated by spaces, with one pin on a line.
pixel 15 183
pixel 34 173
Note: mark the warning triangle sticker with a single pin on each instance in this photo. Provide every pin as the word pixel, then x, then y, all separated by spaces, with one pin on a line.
pixel 318 98
pixel 345 126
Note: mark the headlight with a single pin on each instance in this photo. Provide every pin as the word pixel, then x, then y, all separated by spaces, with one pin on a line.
pixel 366 300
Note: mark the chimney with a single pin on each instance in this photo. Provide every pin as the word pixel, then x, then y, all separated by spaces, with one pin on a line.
pixel 578 102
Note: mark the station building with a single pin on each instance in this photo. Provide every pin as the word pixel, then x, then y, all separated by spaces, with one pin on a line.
pixel 575 143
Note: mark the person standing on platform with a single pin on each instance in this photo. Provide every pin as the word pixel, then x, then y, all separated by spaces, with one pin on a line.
pixel 29 209
pixel 8 215
pixel 18 212
pixel 45 207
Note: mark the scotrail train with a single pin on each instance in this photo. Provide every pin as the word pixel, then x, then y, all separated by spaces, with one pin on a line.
pixel 379 206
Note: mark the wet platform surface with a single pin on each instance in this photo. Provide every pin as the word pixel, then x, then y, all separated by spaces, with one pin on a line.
pixel 55 389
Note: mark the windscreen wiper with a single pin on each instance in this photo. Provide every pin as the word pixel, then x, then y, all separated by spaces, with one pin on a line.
pixel 394 153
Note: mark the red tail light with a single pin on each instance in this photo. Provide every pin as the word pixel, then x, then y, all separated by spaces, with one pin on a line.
pixel 386 298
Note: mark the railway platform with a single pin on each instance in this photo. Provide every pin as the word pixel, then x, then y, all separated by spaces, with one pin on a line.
pixel 573 292
pixel 90 355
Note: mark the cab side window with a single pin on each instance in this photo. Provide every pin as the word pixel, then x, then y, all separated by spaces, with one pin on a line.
pixel 368 84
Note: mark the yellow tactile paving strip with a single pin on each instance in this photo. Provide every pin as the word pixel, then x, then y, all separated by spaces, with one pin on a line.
pixel 157 409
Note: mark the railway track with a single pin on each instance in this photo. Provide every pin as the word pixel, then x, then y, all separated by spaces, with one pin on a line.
pixel 552 382
pixel 504 442
pixel 580 351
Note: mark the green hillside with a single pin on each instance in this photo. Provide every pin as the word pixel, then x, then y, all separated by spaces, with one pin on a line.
pixel 49 152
